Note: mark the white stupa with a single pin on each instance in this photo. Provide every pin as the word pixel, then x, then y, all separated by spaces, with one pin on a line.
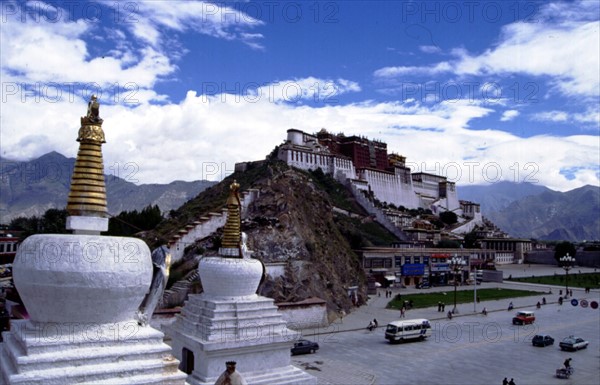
pixel 82 292
pixel 230 322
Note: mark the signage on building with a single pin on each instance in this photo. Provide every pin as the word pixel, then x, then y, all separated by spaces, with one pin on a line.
pixel 440 267
pixel 413 269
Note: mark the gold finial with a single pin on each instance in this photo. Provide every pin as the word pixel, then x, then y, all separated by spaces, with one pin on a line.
pixel 232 231
pixel 87 196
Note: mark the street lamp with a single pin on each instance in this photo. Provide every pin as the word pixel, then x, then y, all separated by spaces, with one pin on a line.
pixel 456 264
pixel 567 263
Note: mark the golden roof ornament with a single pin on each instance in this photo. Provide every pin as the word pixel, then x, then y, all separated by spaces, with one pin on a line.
pixel 232 232
pixel 87 196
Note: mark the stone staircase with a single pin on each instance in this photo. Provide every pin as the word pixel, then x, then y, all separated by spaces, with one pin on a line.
pixel 176 294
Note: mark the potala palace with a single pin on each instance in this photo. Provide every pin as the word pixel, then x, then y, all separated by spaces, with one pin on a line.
pixel 366 165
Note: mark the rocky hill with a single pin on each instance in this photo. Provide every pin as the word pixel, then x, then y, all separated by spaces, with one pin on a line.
pixel 294 221
pixel 30 188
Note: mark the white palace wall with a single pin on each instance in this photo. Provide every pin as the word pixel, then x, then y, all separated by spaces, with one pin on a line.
pixel 388 187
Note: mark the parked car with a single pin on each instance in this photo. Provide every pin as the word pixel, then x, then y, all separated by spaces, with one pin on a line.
pixel 573 343
pixel 523 317
pixel 304 346
pixel 542 340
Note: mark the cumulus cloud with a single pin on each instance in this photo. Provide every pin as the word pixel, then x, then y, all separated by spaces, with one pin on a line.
pixel 509 115
pixel 202 137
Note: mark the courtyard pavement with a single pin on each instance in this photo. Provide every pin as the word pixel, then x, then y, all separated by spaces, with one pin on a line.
pixel 340 372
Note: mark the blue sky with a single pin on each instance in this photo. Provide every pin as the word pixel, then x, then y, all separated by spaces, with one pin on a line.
pixel 477 91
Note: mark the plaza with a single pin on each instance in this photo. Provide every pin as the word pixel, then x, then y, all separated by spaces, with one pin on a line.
pixel 469 349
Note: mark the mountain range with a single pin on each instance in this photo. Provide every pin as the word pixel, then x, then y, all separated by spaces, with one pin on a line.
pixel 29 188
pixel 525 210
pixel 522 210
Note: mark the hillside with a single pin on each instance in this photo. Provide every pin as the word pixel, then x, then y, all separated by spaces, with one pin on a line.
pixel 30 188
pixel 293 221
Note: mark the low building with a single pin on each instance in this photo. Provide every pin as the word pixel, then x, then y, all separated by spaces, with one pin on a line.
pixel 508 250
pixel 414 266
pixel 8 247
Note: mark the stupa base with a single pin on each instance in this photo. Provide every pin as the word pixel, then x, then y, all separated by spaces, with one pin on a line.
pixel 249 330
pixel 78 353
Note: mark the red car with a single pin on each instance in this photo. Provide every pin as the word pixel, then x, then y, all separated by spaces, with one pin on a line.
pixel 523 317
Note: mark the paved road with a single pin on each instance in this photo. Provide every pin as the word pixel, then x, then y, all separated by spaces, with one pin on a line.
pixel 470 349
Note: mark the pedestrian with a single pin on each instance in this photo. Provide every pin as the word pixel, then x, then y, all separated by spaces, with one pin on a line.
pixel 375 322
pixel 570 292
pixel 230 376
pixel 511 382
pixel 402 312
pixel 505 381
pixel 443 306
pixel 543 300
pixel 439 306
pixel 560 300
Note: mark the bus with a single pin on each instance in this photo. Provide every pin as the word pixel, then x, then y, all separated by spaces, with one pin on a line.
pixel 401 330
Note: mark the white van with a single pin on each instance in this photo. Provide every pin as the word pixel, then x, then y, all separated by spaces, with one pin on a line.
pixel 397 331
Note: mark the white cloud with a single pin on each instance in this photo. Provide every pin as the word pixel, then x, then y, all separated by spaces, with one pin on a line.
pixel 565 47
pixel 430 49
pixel 551 116
pixel 509 115
pixel 213 19
pixel 590 117
pixel 388 72
pixel 202 137
pixel 38 54
pixel 309 88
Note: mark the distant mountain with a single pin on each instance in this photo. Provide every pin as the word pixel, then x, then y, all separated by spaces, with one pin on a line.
pixel 529 211
pixel 32 187
pixel 498 196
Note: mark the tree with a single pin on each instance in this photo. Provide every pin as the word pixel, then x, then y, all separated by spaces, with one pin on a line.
pixel 448 244
pixel 448 217
pixel 472 239
pixel 54 221
pixel 130 222
pixel 564 248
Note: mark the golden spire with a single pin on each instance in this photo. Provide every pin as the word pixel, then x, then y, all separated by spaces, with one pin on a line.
pixel 87 196
pixel 232 231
